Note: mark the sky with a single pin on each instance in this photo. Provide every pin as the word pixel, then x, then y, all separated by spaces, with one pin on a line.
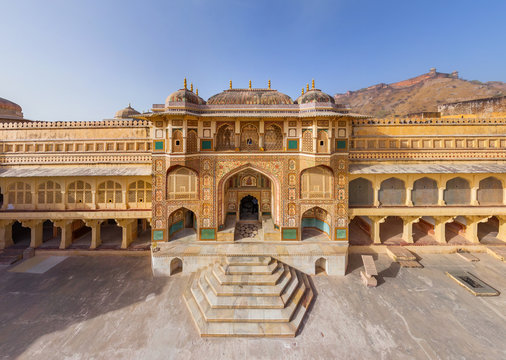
pixel 84 60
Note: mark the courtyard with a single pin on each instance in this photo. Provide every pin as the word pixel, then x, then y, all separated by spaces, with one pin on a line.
pixel 106 307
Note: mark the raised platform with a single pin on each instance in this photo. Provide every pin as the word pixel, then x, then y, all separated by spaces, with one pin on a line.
pixel 193 256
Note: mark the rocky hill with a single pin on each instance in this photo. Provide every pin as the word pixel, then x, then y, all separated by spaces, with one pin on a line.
pixel 422 93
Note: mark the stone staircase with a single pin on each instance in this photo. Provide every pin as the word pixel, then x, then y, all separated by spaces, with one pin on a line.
pixel 248 296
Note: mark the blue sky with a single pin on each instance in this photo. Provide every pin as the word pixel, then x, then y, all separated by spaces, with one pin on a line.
pixel 83 60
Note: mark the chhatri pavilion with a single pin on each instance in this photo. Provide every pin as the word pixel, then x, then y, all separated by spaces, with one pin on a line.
pixel 250 184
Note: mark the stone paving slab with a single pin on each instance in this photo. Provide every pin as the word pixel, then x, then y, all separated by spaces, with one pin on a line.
pixel 111 307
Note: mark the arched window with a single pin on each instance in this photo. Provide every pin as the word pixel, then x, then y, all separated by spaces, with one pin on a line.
pixel 273 138
pixel 79 192
pixel 316 183
pixel 139 192
pixel 457 192
pixel 361 193
pixel 110 192
pixel 225 138
pixel 177 141
pixel 19 193
pixel 490 192
pixel 424 192
pixel 322 142
pixel 307 141
pixel 49 193
pixel 182 184
pixel 192 139
pixel 249 137
pixel 392 192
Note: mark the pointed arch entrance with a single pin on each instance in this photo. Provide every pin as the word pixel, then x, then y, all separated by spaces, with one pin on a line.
pixel 182 225
pixel 248 180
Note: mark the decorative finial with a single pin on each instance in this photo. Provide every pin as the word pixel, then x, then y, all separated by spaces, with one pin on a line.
pixel 269 84
pixel 312 84
pixel 250 84
pixel 307 87
pixel 302 91
pixel 185 83
pixel 230 84
pixel 191 87
pixel 197 92
pixel 129 104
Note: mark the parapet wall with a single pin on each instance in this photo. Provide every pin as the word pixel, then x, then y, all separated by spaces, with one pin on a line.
pixel 478 106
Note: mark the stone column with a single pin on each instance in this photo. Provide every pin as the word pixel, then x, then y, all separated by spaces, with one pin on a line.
pixel 35 231
pixel 407 227
pixel 440 229
pixel 408 197
pixel 501 235
pixel 375 228
pixel 474 196
pixel 261 141
pixel 6 233
pixel 127 230
pixel 66 232
pixel 237 142
pixel 96 240
pixel 440 196
pixel 472 227
pixel 34 199
pixel 376 190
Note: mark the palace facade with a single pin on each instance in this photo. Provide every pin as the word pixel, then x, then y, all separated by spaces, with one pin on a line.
pixel 251 171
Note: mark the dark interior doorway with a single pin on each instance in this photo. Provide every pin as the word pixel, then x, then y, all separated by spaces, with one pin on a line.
pixel 249 208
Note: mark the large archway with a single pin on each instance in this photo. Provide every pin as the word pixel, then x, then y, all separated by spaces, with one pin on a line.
pixel 248 180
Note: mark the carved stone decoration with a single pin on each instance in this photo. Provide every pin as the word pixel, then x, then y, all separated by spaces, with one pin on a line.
pixel 249 137
pixel 225 137
pixel 273 138
pixel 249 180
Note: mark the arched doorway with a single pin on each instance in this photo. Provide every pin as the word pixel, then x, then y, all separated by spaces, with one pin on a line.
pixel 182 224
pixel 316 224
pixel 248 209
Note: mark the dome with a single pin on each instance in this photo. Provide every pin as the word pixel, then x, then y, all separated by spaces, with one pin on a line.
pixel 126 113
pixel 10 109
pixel 315 96
pixel 250 97
pixel 184 95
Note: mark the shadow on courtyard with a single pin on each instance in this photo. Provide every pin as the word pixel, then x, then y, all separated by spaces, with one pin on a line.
pixel 76 290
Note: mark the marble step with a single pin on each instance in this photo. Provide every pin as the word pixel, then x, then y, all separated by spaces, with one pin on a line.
pixel 252 315
pixel 237 302
pixel 257 279
pixel 248 260
pixel 248 290
pixel 249 269
pixel 248 329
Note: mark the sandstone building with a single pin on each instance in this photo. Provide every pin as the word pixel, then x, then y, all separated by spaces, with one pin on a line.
pixel 300 179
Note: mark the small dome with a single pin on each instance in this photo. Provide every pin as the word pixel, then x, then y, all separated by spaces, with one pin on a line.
pixel 315 96
pixel 184 95
pixel 126 113
pixel 10 110
pixel 250 97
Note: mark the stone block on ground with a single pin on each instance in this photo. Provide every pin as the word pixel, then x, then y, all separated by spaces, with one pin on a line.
pixel 468 256
pixel 398 253
pixel 28 253
pixel 410 264
pixel 497 251
pixel 369 281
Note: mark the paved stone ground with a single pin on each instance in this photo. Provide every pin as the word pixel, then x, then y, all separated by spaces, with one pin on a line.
pixel 112 308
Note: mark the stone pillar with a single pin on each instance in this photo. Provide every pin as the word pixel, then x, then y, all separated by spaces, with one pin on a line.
pixel 127 231
pixel 474 196
pixel 237 142
pixel 6 233
pixel 376 190
pixel 375 228
pixel 34 198
pixel 96 240
pixel 261 141
pixel 407 227
pixel 35 231
pixel 440 229
pixel 66 232
pixel 501 235
pixel 440 196
pixel 408 197
pixel 472 227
